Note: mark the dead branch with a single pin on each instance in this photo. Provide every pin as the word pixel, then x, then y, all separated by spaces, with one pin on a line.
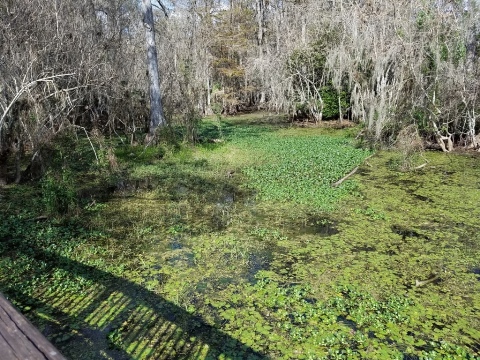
pixel 345 177
pixel 26 88
pixel 90 141
pixel 420 166
pixel 419 283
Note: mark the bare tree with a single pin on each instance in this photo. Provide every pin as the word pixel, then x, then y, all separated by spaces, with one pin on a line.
pixel 157 117
pixel 397 63
pixel 78 65
pixel 80 73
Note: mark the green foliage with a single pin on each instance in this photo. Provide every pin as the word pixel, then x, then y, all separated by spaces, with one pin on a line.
pixel 444 52
pixel 190 264
pixel 76 166
pixel 58 192
pixel 217 108
pixel 351 323
pixel 73 152
pixel 307 67
pixel 330 102
pixel 302 169
pixel 140 154
pixel 372 213
pixel 423 17
pixel 422 121
pixel 313 58
pixel 22 237
pixel 459 52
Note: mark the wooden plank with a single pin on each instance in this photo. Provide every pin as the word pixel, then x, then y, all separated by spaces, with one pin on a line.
pixel 17 342
pixel 19 339
pixel 6 352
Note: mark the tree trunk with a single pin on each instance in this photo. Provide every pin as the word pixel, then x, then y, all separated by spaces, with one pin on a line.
pixel 443 140
pixel 260 9
pixel 3 167
pixel 208 107
pixel 340 114
pixel 18 161
pixel 157 117
pixel 472 141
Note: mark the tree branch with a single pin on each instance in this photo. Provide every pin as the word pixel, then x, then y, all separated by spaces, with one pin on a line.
pixel 24 89
pixel 345 177
pixel 162 7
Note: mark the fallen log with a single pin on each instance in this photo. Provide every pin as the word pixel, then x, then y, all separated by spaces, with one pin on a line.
pixel 345 177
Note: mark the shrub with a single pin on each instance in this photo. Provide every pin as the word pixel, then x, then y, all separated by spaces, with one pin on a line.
pixel 58 192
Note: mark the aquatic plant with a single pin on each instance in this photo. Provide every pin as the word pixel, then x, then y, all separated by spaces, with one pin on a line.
pixel 181 261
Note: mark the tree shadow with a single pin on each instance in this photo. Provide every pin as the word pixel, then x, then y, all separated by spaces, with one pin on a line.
pixel 119 319
pixel 115 318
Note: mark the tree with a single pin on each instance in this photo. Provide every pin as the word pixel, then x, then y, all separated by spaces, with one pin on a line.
pixel 72 66
pixel 78 66
pixel 394 63
pixel 157 117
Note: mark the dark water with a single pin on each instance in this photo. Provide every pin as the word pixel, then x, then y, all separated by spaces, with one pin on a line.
pixel 476 271
pixel 256 262
pixel 407 233
pixel 321 226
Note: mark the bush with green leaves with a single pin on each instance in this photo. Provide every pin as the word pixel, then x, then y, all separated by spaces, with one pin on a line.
pixel 330 98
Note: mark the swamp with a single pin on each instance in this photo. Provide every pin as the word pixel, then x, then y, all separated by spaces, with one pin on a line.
pixel 239 247
pixel 242 179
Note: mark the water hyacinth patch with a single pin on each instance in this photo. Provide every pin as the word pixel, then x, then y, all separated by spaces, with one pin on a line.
pixel 302 169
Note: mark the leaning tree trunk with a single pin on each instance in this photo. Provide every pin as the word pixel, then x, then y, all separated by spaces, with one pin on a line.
pixel 443 140
pixel 157 117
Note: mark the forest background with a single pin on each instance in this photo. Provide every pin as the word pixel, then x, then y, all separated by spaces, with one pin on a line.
pixel 387 65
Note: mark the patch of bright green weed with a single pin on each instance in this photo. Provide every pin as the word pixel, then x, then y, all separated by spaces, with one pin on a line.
pixel 303 169
pixel 140 154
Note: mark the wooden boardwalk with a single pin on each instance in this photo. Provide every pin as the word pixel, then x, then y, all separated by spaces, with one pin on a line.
pixel 19 339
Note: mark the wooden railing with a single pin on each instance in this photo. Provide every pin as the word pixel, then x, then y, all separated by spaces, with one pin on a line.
pixel 19 339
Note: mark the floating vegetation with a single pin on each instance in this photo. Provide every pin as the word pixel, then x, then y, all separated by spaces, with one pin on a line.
pixel 184 261
pixel 302 169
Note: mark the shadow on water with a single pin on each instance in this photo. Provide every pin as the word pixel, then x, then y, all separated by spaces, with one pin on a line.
pixel 407 233
pixel 413 193
pixel 221 129
pixel 422 198
pixel 258 261
pixel 320 226
pixel 476 271
pixel 118 311
pixel 356 249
